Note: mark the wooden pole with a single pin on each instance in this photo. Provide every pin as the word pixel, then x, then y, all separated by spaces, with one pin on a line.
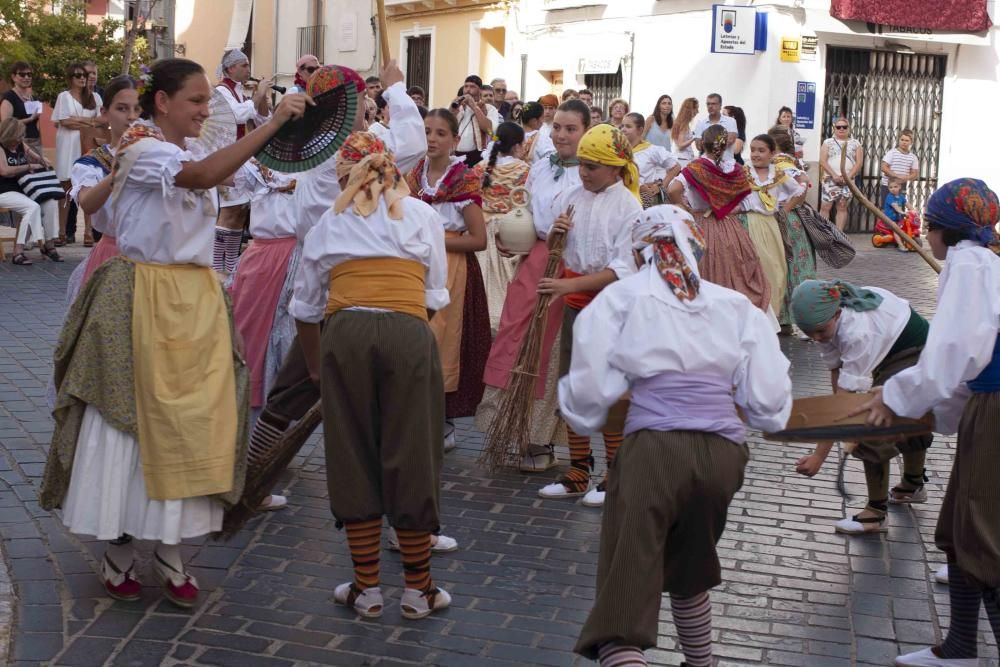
pixel 383 32
pixel 882 216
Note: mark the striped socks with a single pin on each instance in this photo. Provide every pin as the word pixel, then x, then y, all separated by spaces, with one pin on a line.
pixel 966 596
pixel 577 478
pixel 365 541
pixel 612 441
pixel 693 620
pixel 611 654
pixel 227 249
pixel 415 548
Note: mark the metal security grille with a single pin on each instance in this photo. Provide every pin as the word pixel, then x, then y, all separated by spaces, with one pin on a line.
pixel 881 93
pixel 605 87
pixel 311 40
pixel 418 63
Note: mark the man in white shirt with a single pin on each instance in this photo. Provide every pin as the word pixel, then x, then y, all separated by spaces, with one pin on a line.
pixel 476 120
pixel 234 210
pixel 899 163
pixel 714 105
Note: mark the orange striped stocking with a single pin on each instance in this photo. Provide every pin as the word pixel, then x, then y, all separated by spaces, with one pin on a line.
pixel 577 478
pixel 365 541
pixel 415 547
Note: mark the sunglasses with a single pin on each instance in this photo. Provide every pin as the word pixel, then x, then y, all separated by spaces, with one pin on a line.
pixel 24 74
pixel 79 75
pixel 309 69
pixel 840 127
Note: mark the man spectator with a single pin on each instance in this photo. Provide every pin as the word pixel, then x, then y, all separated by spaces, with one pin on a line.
pixel 500 95
pixel 418 95
pixel 714 104
pixel 304 68
pixel 486 95
pixel 596 116
pixel 476 120
pixel 587 97
pixel 899 163
pixel 549 105
pixel 374 86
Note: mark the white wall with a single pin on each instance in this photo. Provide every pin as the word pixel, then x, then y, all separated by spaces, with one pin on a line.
pixel 971 98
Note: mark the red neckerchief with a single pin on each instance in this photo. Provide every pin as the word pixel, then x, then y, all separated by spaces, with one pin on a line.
pixel 241 128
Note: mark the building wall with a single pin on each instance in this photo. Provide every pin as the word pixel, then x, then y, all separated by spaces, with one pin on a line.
pixel 452 59
pixel 202 27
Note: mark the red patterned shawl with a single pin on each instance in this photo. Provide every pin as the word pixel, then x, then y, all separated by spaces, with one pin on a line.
pixel 459 184
pixel 723 191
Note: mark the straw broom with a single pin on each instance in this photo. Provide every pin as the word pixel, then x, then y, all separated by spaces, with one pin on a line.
pixel 507 437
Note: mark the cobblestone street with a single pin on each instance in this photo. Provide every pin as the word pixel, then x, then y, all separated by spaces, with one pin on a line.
pixel 794 592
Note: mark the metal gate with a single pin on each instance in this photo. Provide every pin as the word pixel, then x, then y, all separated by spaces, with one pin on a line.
pixel 605 87
pixel 881 93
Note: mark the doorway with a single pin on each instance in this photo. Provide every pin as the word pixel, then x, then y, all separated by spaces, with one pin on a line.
pixel 881 93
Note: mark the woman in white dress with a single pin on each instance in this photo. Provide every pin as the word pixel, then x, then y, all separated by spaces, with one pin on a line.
pixel 151 405
pixel 682 135
pixel 75 109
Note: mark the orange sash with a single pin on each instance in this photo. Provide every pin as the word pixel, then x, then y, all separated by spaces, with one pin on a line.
pixel 577 300
pixel 389 283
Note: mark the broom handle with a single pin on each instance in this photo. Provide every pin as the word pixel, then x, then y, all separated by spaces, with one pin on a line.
pixel 383 32
pixel 881 215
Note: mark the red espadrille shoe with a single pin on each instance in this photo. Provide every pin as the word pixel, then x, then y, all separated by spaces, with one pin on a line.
pixel 120 585
pixel 179 587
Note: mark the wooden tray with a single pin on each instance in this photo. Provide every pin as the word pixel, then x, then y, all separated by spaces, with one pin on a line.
pixel 824 418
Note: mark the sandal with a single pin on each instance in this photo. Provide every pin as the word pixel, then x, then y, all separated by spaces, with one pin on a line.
pixel 59 242
pixel 120 584
pixel 859 525
pixel 367 603
pixel 21 260
pixel 52 254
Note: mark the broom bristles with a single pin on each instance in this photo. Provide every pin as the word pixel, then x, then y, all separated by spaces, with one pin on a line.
pixel 507 439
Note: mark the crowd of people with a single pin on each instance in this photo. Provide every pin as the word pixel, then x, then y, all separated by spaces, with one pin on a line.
pixel 378 290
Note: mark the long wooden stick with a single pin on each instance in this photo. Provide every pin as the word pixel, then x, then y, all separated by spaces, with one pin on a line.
pixel 383 32
pixel 881 215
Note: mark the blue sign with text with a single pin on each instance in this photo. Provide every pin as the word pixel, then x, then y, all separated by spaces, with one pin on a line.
pixel 805 105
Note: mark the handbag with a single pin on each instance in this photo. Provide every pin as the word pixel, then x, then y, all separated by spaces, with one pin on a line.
pixel 41 186
pixel 831 245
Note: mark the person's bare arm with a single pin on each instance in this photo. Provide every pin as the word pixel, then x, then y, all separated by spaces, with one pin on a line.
pixel 475 239
pixel 15 171
pixel 93 198
pixel 859 156
pixel 592 282
pixel 887 170
pixel 649 124
pixel 731 138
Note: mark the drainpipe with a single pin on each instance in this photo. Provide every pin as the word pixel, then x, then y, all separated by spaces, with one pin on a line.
pixel 276 7
pixel 524 73
pixel 631 67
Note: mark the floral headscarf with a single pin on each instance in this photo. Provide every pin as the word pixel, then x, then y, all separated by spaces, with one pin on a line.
pixel 815 302
pixel 607 145
pixel 677 247
pixel 372 174
pixel 968 206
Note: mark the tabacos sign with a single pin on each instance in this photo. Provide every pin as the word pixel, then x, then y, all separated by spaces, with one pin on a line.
pixel 880 29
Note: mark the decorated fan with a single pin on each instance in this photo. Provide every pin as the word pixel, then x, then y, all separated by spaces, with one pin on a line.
pixel 313 139
pixel 218 130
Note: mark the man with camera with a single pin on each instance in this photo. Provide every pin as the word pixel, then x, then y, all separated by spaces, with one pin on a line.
pixel 476 120
pixel 254 107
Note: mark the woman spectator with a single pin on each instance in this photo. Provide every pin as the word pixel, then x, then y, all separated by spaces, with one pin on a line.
pixel 19 102
pixel 658 125
pixel 835 190
pixel 16 160
pixel 616 112
pixel 786 119
pixel 682 134
pixel 76 108
pixel 736 113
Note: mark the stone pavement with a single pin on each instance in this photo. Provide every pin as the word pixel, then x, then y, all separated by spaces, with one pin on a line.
pixel 794 593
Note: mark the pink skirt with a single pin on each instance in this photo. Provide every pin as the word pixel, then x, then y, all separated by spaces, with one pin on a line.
pixel 105 249
pixel 522 295
pixel 255 291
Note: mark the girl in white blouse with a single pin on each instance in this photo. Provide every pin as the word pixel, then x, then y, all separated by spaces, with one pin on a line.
pixel 597 253
pixel 75 109
pixel 153 451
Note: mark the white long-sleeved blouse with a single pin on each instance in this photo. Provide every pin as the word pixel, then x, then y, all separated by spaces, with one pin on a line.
pixel 272 212
pixel 601 236
pixel 543 187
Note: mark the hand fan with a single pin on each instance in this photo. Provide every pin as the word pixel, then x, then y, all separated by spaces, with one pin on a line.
pixel 218 130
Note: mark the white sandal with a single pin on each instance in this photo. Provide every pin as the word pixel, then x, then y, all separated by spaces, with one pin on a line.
pixel 368 603
pixel 417 604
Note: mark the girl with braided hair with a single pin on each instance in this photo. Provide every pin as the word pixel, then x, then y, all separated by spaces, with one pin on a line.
pixel 712 187
pixel 503 171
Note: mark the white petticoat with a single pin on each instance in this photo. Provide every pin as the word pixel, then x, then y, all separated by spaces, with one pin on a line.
pixel 107 492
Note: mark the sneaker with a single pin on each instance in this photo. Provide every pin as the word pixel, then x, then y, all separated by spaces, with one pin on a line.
pixel 442 545
pixel 858 526
pixel 120 584
pixel 417 604
pixel 178 587
pixel 449 437
pixel 368 603
pixel 941 576
pixel 559 490
pixel 538 459
pixel 927 658
pixel 594 497
pixel 900 496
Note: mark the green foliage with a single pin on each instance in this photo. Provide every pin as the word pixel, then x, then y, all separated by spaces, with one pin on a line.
pixel 51 42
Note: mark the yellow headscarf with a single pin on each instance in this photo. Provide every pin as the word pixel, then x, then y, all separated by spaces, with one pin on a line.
pixel 607 145
pixel 371 174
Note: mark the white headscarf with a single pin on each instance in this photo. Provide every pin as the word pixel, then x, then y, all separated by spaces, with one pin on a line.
pixel 230 58
pixel 662 232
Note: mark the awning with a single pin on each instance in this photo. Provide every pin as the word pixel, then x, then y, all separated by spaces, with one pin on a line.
pixel 240 24
pixel 965 16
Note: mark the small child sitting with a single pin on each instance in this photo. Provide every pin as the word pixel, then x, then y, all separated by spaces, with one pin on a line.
pixel 896 210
